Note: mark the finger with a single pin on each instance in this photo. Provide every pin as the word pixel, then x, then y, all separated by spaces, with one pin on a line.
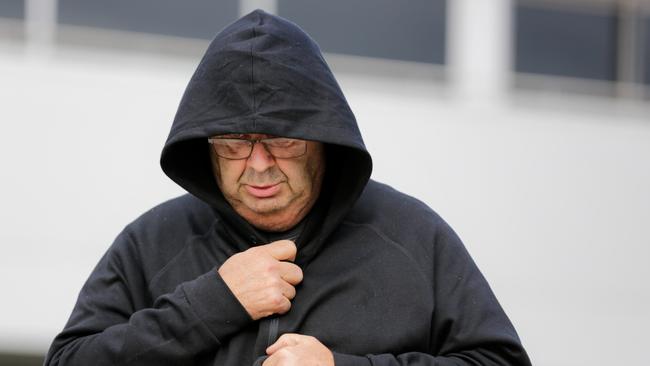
pixel 284 306
pixel 287 290
pixel 281 250
pixel 290 273
pixel 276 302
pixel 285 340
pixel 277 359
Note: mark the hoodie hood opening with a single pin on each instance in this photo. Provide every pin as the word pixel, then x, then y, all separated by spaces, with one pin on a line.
pixel 263 74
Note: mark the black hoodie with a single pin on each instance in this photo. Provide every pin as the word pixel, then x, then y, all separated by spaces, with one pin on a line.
pixel 386 280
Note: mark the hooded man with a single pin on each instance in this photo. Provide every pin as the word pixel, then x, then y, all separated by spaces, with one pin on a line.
pixel 284 252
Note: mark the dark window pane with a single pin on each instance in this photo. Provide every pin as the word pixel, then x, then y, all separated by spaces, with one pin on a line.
pixel 185 18
pixel 566 42
pixel 12 9
pixel 646 49
pixel 412 30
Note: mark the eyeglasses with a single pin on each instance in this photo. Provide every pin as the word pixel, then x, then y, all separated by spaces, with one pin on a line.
pixel 241 148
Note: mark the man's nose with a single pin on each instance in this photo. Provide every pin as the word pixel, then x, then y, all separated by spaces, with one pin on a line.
pixel 260 159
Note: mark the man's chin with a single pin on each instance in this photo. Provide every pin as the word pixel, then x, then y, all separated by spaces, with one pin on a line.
pixel 271 214
pixel 267 217
pixel 265 206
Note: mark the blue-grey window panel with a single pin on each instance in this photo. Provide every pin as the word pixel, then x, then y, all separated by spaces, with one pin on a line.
pixel 12 9
pixel 646 49
pixel 566 42
pixel 184 18
pixel 412 30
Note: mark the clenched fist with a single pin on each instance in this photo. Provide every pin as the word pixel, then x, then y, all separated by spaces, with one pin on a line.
pixel 262 279
pixel 298 350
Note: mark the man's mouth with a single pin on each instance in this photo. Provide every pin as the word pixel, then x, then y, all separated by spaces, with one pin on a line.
pixel 263 191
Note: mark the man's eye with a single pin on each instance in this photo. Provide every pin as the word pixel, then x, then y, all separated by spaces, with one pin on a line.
pixel 281 142
pixel 233 145
pixel 237 143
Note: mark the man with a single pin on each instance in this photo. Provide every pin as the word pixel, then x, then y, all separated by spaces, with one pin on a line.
pixel 285 253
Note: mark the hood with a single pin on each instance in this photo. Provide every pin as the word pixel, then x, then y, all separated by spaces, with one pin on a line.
pixel 263 74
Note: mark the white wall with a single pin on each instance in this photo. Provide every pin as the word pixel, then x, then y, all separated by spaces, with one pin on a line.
pixel 551 195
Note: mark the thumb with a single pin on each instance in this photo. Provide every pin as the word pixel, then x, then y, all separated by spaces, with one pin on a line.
pixel 286 340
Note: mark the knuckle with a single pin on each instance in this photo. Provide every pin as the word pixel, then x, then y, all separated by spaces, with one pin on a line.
pixel 285 353
pixel 271 266
pixel 276 299
pixel 274 283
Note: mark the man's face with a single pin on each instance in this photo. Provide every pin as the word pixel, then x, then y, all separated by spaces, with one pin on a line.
pixel 271 193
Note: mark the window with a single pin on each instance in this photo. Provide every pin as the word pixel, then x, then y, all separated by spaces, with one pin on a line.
pixel 412 30
pixel 603 46
pixel 187 18
pixel 566 41
pixel 12 9
pixel 645 44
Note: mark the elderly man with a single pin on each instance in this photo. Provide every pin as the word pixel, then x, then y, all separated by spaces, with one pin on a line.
pixel 284 252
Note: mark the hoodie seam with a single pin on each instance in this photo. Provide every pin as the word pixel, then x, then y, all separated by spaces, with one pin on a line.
pixel 393 243
pixel 138 259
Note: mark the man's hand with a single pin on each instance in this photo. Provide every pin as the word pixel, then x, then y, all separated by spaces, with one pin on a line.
pixel 296 349
pixel 261 280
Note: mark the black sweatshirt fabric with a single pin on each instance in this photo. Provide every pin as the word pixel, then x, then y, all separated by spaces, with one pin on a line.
pixel 386 280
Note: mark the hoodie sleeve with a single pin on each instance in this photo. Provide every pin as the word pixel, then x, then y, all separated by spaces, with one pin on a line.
pixel 114 323
pixel 469 326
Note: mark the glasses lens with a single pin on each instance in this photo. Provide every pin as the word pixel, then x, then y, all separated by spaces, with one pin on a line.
pixel 232 148
pixel 238 148
pixel 285 148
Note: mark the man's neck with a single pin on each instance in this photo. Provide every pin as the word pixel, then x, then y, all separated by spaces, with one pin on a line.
pixel 290 234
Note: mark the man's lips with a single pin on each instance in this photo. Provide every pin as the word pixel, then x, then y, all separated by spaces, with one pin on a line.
pixel 263 191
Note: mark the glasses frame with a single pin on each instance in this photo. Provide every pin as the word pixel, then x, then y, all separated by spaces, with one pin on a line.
pixel 252 143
